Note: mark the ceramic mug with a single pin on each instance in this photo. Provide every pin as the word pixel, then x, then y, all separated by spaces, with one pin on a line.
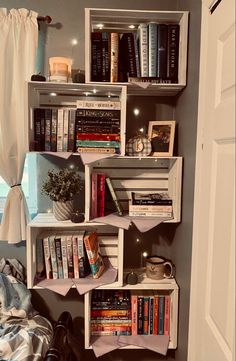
pixel 158 268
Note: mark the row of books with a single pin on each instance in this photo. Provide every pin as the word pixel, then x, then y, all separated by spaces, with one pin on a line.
pixel 150 205
pixel 152 51
pixel 111 313
pixel 71 255
pixel 125 313
pixel 92 126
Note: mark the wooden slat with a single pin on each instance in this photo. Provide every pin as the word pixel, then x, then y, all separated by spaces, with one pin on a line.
pixel 132 184
pixel 109 251
pixel 134 173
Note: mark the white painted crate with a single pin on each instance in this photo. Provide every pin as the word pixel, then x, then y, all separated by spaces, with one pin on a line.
pixel 169 287
pixel 111 242
pixel 146 175
pixel 50 95
pixel 118 20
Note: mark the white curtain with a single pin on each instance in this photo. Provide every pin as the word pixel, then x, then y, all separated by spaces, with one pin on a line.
pixel 18 44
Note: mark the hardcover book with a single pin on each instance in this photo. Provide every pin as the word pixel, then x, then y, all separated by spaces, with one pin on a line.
pixel 96 56
pixel 173 52
pixel 143 48
pixel 114 57
pixel 47 258
pixel 59 257
pixel 152 45
pixel 162 51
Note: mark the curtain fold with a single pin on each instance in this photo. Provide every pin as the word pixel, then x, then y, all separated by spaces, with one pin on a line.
pixel 18 39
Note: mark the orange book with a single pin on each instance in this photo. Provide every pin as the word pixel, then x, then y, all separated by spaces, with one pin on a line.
pixel 155 316
pixel 167 316
pixel 134 310
pixel 145 315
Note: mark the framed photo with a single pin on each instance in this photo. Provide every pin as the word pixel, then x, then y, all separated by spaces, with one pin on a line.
pixel 161 134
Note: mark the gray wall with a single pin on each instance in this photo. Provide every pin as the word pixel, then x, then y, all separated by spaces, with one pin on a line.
pixel 171 241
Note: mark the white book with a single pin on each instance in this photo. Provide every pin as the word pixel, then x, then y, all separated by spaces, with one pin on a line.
pixel 98 104
pixel 64 255
pixel 143 48
pixel 60 129
pixel 75 256
pixel 53 256
pixel 47 257
pixel 65 130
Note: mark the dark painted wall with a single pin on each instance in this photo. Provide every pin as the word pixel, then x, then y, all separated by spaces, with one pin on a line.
pixel 172 241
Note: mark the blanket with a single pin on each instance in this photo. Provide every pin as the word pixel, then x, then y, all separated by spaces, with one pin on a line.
pixel 24 334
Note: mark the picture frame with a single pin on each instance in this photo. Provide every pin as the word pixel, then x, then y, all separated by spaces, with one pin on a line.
pixel 161 135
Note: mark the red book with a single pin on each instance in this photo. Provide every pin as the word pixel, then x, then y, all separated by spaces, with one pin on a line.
pixel 94 195
pixel 101 194
pixel 97 136
pixel 155 316
pixel 145 315
pixel 167 316
pixel 134 311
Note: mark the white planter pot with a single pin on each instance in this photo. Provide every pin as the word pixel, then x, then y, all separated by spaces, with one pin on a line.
pixel 63 210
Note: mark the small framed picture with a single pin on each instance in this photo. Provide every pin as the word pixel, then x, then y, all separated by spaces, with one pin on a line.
pixel 161 134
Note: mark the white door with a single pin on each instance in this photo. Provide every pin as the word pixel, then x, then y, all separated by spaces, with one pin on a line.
pixel 212 298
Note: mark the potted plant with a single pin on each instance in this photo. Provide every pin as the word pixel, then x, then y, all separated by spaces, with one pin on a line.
pixel 61 187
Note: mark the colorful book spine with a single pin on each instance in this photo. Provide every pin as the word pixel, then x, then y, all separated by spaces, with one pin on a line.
pixel 155 316
pixel 70 256
pixel 97 143
pixel 100 128
pixel 145 315
pixel 162 51
pixel 161 313
pixel 95 260
pixel 167 316
pixel 59 257
pixel 140 315
pixel 97 136
pixel 110 313
pixel 47 258
pixel 134 314
pixel 114 57
pixel 143 48
pixel 114 197
pixel 75 256
pixel 173 52
pixel 101 194
pixel 52 248
pixel 152 46
pixel 64 256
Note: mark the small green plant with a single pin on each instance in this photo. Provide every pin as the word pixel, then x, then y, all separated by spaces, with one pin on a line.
pixel 62 185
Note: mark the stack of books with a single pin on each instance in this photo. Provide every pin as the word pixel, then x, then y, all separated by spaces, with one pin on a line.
pixel 68 255
pixel 151 52
pixel 150 313
pixel 150 205
pixel 97 126
pixel 111 313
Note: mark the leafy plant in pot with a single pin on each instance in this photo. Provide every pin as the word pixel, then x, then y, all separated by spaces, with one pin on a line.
pixel 61 187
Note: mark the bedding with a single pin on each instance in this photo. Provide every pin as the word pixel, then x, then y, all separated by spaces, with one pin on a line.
pixel 24 334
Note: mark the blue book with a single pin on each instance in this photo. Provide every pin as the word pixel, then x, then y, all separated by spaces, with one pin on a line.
pixel 161 313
